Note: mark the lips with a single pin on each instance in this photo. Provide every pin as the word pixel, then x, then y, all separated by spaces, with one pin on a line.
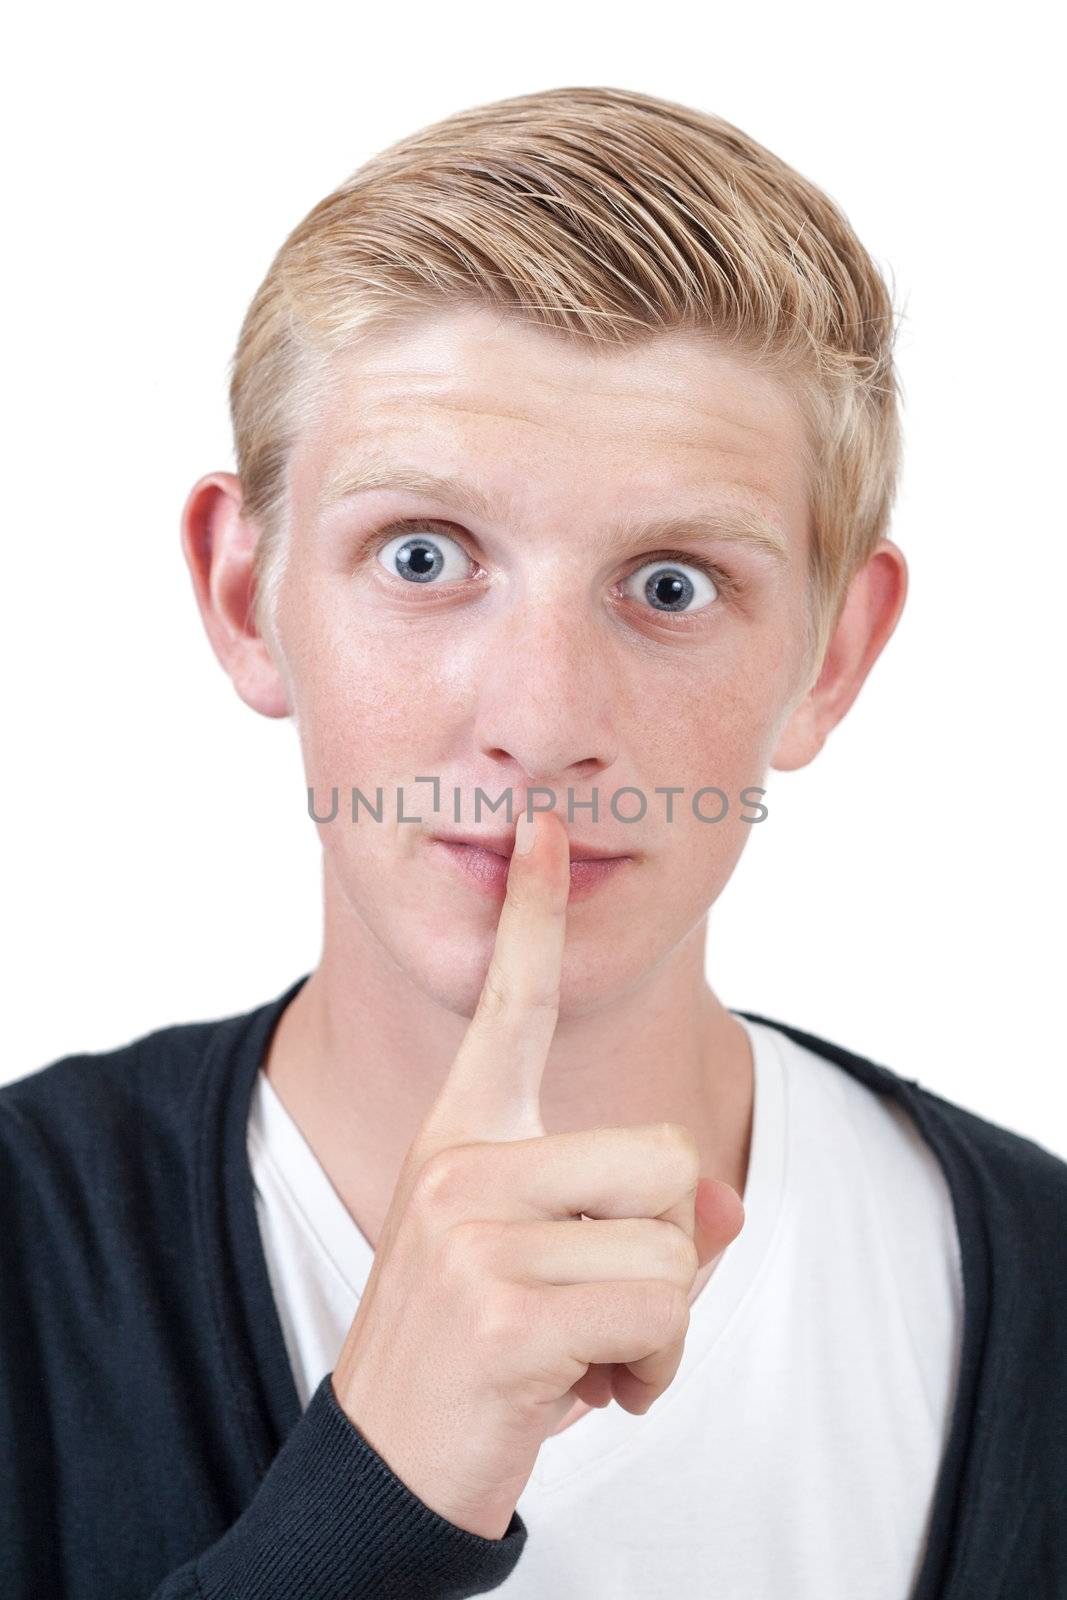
pixel 503 844
pixel 486 869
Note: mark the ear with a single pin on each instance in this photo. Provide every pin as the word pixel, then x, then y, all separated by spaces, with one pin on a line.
pixel 219 544
pixel 873 603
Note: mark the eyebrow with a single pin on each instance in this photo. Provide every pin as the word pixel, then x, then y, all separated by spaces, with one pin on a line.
pixel 734 524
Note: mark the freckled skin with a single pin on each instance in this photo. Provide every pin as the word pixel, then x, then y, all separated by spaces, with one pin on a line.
pixel 538 671
pixel 538 681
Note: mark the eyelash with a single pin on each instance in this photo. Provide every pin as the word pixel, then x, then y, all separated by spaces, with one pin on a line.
pixel 724 581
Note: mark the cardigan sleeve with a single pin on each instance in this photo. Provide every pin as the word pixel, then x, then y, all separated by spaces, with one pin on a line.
pixel 331 1519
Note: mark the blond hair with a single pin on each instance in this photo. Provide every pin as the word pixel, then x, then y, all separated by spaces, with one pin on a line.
pixel 601 214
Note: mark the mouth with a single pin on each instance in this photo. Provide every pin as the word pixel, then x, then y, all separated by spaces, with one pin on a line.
pixel 502 844
pixel 485 865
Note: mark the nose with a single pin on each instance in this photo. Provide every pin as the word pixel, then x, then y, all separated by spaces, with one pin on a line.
pixel 548 704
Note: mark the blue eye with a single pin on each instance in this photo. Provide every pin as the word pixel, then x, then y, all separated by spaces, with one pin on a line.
pixel 670 586
pixel 424 558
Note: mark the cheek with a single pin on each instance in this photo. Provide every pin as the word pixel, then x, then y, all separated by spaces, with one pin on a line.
pixel 363 714
pixel 710 729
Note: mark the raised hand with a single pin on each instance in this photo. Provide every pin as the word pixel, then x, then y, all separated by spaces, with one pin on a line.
pixel 517 1271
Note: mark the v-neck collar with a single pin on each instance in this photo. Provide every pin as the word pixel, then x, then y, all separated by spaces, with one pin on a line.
pixel 252 1345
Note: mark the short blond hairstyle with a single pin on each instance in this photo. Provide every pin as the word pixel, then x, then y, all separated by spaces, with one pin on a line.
pixel 604 215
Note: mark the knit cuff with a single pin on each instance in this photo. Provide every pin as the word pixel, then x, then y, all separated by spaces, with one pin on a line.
pixel 331 1519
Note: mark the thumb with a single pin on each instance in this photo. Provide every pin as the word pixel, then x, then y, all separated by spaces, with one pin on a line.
pixel 719 1218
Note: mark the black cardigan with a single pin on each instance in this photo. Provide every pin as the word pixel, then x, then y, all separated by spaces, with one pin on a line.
pixel 151 1437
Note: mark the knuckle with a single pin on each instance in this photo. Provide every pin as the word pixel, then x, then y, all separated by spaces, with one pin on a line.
pixel 442 1180
pixel 503 995
pixel 464 1253
pixel 681 1312
pixel 514 894
pixel 680 1144
pixel 668 1135
pixel 668 1249
pixel 682 1254
pixel 503 1314
pixel 494 999
pixel 666 1311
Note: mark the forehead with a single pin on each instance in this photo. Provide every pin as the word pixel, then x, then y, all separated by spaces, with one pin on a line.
pixel 542 418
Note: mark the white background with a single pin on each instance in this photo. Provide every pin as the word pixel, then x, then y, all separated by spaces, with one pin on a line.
pixel 905 898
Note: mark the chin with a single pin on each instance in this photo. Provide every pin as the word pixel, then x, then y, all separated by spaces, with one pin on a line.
pixel 450 968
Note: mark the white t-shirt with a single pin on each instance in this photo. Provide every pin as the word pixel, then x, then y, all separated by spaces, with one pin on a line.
pixel 795 1453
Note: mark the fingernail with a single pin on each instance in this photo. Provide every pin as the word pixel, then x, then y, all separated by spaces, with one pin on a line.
pixel 525 833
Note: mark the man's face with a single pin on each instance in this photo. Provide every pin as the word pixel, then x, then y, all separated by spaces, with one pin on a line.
pixel 547 635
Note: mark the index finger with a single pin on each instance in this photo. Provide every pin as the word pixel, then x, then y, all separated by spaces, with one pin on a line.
pixel 493 1088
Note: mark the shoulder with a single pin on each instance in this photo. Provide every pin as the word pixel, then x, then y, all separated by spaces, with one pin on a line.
pixel 111 1163
pixel 98 1177
pixel 1021 1183
pixel 98 1156
pixel 86 1097
pixel 99 1132
pixel 140 1110
pixel 1011 1176
pixel 152 1074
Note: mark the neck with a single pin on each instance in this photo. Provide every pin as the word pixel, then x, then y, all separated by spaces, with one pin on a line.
pixel 361 1052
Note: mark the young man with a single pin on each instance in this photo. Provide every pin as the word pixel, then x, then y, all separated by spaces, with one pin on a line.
pixel 498 1252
